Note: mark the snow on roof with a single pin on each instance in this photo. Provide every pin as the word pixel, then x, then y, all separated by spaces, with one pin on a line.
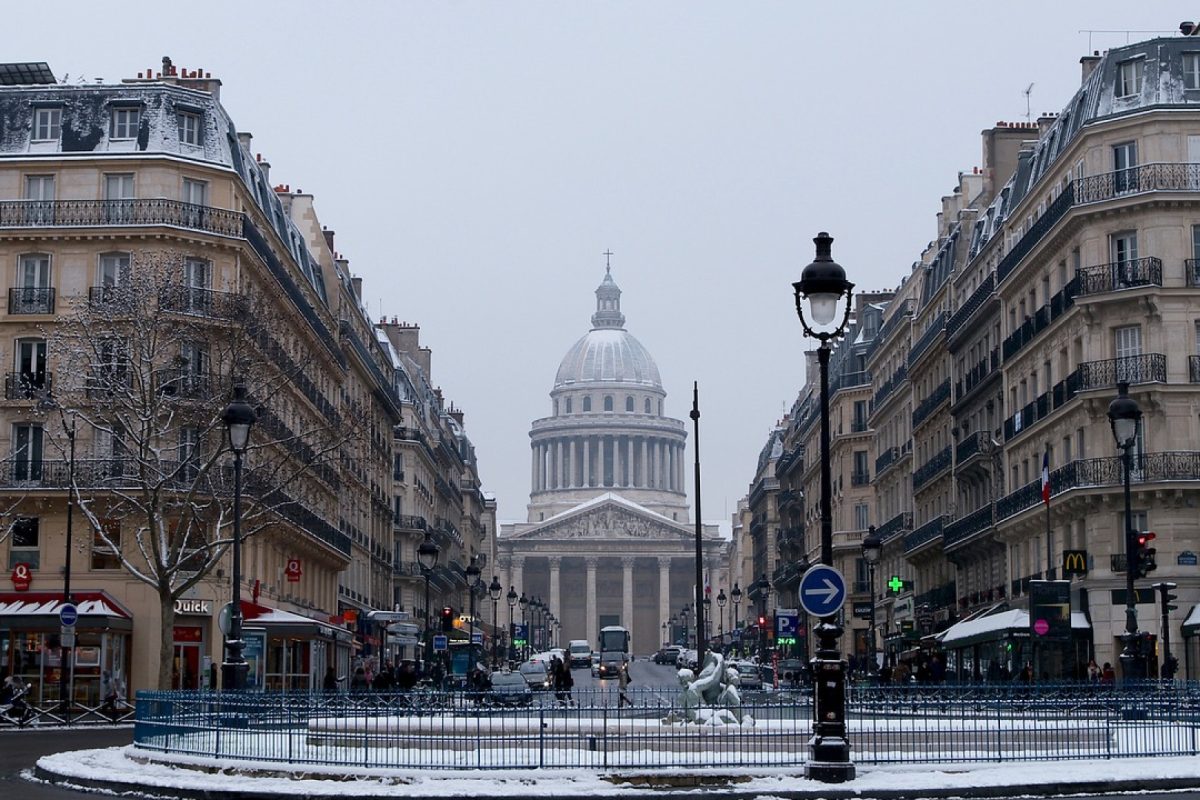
pixel 1011 620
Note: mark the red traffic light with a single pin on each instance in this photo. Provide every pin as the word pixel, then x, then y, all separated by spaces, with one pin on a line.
pixel 1145 538
pixel 447 612
pixel 762 621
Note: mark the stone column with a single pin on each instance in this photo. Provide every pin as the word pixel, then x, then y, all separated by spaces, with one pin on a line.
pixel 555 598
pixel 627 563
pixel 593 630
pixel 587 461
pixel 616 441
pixel 631 461
pixel 664 590
pixel 558 464
pixel 645 464
pixel 533 471
pixel 517 579
pixel 571 481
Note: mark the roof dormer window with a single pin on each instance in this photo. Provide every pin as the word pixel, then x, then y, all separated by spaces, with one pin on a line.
pixel 125 121
pixel 1129 77
pixel 1191 70
pixel 47 124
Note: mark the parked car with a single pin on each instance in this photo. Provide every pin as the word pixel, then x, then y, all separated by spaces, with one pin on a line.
pixel 687 658
pixel 792 673
pixel 509 689
pixel 749 675
pixel 667 655
pixel 581 653
pixel 535 675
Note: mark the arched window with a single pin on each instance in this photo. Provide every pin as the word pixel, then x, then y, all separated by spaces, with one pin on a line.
pixel 647 405
pixel 568 405
pixel 629 404
pixel 587 404
pixel 608 403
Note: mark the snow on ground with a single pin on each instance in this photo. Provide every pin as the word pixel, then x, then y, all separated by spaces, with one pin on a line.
pixel 113 764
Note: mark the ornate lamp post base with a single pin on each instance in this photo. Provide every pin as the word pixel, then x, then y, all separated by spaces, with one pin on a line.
pixel 828 750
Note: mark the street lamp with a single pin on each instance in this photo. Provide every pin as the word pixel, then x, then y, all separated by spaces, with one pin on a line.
pixel 721 601
pixel 802 566
pixel 524 604
pixel 495 590
pixel 238 417
pixel 427 558
pixel 764 591
pixel 872 548
pixel 736 596
pixel 511 597
pixel 1125 416
pixel 684 613
pixel 822 287
pixel 472 573
pixel 672 624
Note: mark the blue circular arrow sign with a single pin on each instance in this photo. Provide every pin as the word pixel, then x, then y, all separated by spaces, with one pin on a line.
pixel 68 615
pixel 822 591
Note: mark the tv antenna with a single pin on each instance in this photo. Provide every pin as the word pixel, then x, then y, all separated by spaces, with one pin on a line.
pixel 1028 91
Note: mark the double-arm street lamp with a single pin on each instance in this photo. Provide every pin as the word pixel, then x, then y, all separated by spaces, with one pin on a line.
pixel 427 558
pixel 494 591
pixel 872 548
pixel 736 596
pixel 1124 415
pixel 822 288
pixel 238 417
pixel 721 600
pixel 524 604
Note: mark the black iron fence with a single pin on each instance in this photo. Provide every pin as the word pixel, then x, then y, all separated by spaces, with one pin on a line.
pixel 1129 274
pixel 505 730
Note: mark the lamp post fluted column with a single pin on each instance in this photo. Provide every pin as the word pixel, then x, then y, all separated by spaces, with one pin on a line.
pixel 238 417
pixel 1124 415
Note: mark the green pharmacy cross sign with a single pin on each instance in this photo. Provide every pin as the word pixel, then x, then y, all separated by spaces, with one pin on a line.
pixel 896 584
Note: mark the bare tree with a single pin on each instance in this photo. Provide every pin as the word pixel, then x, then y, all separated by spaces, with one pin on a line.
pixel 145 366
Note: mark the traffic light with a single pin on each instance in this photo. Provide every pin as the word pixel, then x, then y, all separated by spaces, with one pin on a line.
pixel 762 621
pixel 1167 597
pixel 447 619
pixel 1145 555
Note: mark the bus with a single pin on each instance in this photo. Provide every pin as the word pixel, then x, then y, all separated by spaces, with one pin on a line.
pixel 614 650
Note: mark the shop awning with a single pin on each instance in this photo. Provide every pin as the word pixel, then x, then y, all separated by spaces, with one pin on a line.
pixel 286 623
pixel 39 611
pixel 1192 623
pixel 996 626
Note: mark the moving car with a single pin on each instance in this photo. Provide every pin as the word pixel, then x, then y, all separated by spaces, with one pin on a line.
pixel 749 675
pixel 687 658
pixel 610 664
pixel 509 689
pixel 535 675
pixel 667 655
pixel 581 653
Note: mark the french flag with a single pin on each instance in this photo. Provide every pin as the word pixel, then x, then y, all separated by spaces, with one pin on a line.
pixel 1046 477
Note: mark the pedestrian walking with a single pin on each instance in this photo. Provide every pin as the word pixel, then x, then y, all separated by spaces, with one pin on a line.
pixel 623 681
pixel 1108 675
pixel 1093 671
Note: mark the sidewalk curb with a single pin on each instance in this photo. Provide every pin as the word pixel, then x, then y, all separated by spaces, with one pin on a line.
pixel 725 787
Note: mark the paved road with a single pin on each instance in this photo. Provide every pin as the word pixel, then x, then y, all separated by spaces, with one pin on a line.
pixel 19 750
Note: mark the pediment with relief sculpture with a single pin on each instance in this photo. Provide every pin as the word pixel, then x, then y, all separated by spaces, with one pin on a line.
pixel 612 519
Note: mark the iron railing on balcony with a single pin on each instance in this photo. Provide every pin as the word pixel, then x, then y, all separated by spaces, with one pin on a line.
pixel 409 522
pixel 933 333
pixel 885 459
pixel 1031 413
pixel 930 531
pixel 969 446
pixel 31 300
pixel 1054 212
pixel 203 302
pixel 931 403
pixel 901 523
pixel 858 425
pixel 964 528
pixel 1157 176
pixel 932 468
pixel 109 298
pixel 27 385
pixel 849 380
pixel 940 597
pixel 860 479
pixel 986 367
pixel 1175 466
pixel 1194 368
pixel 960 318
pixel 1191 268
pixel 1060 303
pixel 102 213
pixel 899 318
pixel 898 377
pixel 1117 275
pixel 186 384
pixel 1147 368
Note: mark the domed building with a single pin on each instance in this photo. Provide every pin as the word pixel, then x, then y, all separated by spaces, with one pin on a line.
pixel 608 539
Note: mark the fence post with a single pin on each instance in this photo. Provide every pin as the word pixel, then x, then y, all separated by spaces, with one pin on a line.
pixel 604 734
pixel 541 736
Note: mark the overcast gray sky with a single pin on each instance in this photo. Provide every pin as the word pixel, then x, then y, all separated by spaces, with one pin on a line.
pixel 476 158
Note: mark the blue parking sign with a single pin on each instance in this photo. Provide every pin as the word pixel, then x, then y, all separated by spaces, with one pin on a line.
pixel 787 622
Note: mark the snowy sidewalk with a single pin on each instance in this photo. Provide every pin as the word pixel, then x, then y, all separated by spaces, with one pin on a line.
pixel 113 769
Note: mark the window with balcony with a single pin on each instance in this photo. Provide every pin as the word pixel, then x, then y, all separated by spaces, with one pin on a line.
pixel 1191 70
pixel 47 124
pixel 189 452
pixel 862 516
pixel 25 544
pixel 29 378
pixel 189 127
pixel 124 123
pixel 1127 341
pixel 27 451
pixel 106 547
pixel 39 197
pixel 1125 167
pixel 1129 77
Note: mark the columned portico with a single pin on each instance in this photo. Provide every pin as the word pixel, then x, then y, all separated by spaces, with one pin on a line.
pixel 593 631
pixel 627 594
pixel 555 597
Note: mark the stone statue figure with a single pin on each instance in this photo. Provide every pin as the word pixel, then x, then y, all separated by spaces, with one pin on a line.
pixel 712 697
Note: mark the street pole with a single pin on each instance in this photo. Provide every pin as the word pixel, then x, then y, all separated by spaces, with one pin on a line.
pixel 1124 415
pixel 700 598
pixel 822 287
pixel 238 417
pixel 67 669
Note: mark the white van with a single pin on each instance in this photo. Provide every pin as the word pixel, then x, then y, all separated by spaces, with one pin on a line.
pixel 581 653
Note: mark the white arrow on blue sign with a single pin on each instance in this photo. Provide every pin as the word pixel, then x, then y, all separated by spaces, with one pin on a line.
pixel 440 643
pixel 822 591
pixel 68 615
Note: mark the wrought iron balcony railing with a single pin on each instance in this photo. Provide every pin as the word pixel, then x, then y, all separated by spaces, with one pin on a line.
pixel 986 367
pixel 102 213
pixel 901 523
pixel 27 385
pixel 1194 368
pixel 932 468
pixel 203 302
pixel 31 300
pixel 960 318
pixel 1101 473
pixel 934 332
pixel 1112 277
pixel 409 522
pixel 1059 304
pixel 860 479
pixel 964 528
pixel 931 403
pixel 1191 268
pixel 890 385
pixel 1053 213
pixel 187 385
pixel 1147 368
pixel 969 446
pixel 930 531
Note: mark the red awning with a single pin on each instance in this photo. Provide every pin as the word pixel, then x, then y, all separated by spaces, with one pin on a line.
pixel 287 623
pixel 39 610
